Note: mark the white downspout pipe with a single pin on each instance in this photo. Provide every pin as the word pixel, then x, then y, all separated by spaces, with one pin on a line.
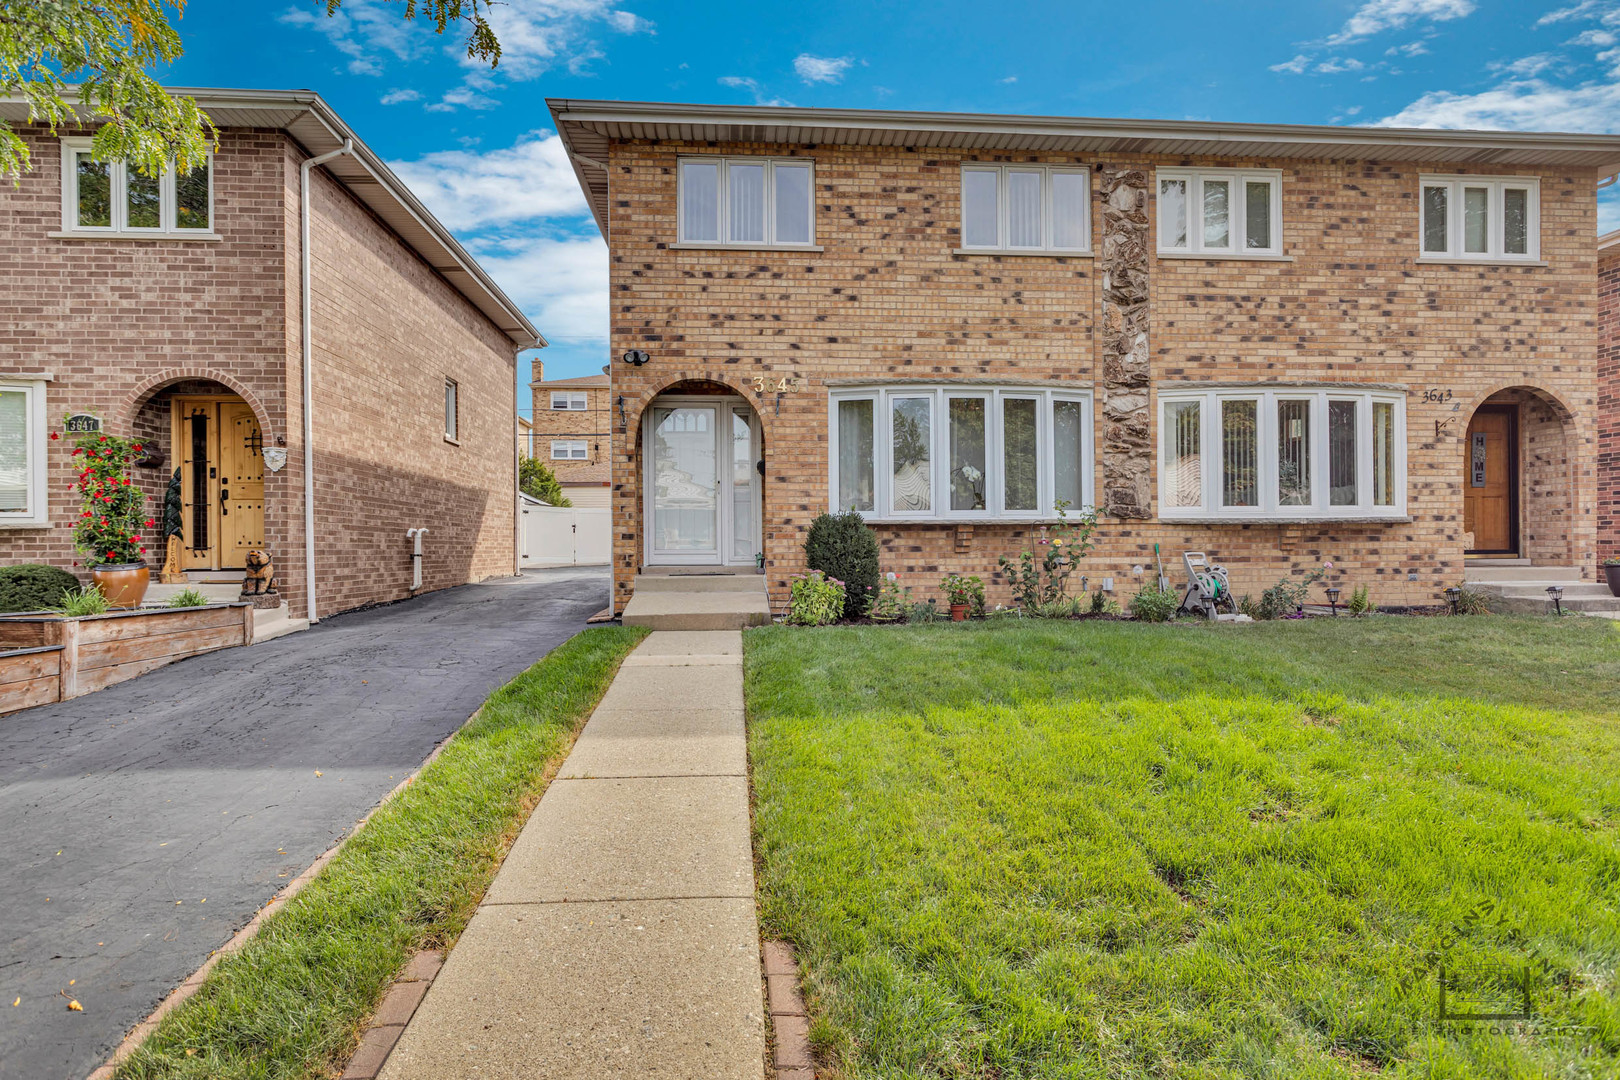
pixel 416 535
pixel 308 373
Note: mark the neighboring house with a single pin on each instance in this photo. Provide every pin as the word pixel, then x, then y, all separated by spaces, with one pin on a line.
pixel 1278 344
pixel 525 436
pixel 174 310
pixel 1608 389
pixel 571 425
pixel 588 487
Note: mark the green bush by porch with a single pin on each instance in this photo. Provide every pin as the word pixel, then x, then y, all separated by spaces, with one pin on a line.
pixel 1116 850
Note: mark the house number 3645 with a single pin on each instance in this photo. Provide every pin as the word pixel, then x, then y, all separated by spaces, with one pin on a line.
pixel 766 384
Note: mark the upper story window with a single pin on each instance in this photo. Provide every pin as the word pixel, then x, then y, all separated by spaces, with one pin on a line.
pixel 1220 211
pixel 1026 208
pixel 22 454
pixel 960 451
pixel 1481 217
pixel 568 450
pixel 570 400
pixel 746 202
pixel 1287 452
pixel 113 197
pixel 451 419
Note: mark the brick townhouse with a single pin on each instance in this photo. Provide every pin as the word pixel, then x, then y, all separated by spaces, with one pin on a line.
pixel 1278 344
pixel 1608 388
pixel 175 309
pixel 572 432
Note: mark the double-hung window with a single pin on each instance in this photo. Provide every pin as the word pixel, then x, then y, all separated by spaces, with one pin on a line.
pixel 114 197
pixel 1026 208
pixel 568 450
pixel 960 451
pixel 22 455
pixel 1480 218
pixel 1282 452
pixel 568 400
pixel 1235 212
pixel 746 202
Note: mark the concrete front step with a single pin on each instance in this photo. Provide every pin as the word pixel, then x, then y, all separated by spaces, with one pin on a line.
pixel 1520 572
pixel 698 603
pixel 1526 590
pixel 1540 605
pixel 159 595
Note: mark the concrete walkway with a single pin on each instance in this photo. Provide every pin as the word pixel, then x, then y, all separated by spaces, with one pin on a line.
pixel 619 938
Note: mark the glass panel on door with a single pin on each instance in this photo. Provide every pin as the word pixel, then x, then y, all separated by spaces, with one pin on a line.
pixel 744 531
pixel 686 480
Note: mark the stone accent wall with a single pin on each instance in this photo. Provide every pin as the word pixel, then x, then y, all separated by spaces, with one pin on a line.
pixel 1608 388
pixel 1127 449
pixel 888 299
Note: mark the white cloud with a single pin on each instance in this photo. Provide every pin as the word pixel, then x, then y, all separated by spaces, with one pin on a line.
pixel 1595 38
pixel 362 30
pixel 1525 67
pixel 626 23
pixel 528 181
pixel 396 97
pixel 1377 16
pixel 738 82
pixel 1334 66
pixel 1583 10
pixel 560 282
pixel 1296 66
pixel 1009 80
pixel 822 69
pixel 1517 105
pixel 1411 48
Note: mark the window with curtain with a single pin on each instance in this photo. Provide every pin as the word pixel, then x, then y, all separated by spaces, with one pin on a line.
pixel 568 400
pixel 450 418
pixel 22 454
pixel 112 196
pixel 1479 218
pixel 1026 208
pixel 1291 452
pixel 965 452
pixel 569 450
pixel 1219 211
pixel 747 202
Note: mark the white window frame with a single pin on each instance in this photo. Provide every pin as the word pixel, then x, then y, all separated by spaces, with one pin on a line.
pixel 1046 247
pixel 118 184
pixel 1270 508
pixel 1496 244
pixel 568 446
pixel 572 401
pixel 883 397
pixel 452 411
pixel 723 204
pixel 36 514
pixel 1237 209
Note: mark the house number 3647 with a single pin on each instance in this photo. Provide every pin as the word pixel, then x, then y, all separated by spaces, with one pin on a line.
pixel 766 384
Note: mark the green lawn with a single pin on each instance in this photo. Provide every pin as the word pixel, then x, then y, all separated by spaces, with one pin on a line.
pixel 1027 849
pixel 293 1002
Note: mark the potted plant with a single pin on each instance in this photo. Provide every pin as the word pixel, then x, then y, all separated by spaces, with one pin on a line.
pixel 1611 571
pixel 108 533
pixel 961 593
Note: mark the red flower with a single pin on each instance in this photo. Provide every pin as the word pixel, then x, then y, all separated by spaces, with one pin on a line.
pixel 150 522
pixel 143 551
pixel 54 435
pixel 111 555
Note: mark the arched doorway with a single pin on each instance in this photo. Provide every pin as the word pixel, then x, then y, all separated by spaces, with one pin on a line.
pixel 702 478
pixel 1519 478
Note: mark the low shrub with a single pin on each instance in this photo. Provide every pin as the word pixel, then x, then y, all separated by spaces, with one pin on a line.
pixel 1288 596
pixel 1153 604
pixel 892 601
pixel 1472 601
pixel 1103 604
pixel 1360 603
pixel 925 612
pixel 814 599
pixel 188 597
pixel 1041 577
pixel 843 548
pixel 82 601
pixel 33 587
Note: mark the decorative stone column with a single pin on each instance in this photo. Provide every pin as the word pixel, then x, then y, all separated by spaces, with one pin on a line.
pixel 1127 448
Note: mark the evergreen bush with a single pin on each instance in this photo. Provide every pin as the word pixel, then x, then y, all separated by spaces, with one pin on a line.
pixel 33 587
pixel 843 548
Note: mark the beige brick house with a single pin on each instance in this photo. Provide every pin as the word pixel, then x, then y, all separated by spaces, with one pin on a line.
pixel 572 431
pixel 1278 344
pixel 175 309
pixel 1608 388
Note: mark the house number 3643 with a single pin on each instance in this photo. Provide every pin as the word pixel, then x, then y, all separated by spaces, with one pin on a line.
pixel 767 384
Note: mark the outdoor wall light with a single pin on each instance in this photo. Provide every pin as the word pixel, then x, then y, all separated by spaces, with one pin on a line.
pixel 1333 600
pixel 1453 594
pixel 1555 593
pixel 635 357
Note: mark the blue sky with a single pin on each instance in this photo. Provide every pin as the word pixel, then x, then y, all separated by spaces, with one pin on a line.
pixel 476 145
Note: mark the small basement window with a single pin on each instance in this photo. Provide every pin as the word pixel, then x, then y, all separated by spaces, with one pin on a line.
pixel 114 197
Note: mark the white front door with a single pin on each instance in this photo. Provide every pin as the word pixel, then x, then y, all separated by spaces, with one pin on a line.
pixel 702 499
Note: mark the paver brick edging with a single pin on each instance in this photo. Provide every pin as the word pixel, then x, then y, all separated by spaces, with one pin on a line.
pixel 790 1023
pixel 396 1010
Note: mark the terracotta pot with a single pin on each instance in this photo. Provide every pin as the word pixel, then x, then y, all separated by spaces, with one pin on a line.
pixel 958 612
pixel 1612 573
pixel 124 585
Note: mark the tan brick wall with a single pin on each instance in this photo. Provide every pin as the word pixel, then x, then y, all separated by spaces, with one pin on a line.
pixel 594 424
pixel 1608 385
pixel 887 299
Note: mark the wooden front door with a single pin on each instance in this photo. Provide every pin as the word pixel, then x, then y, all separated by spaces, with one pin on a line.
pixel 1491 481
pixel 219 446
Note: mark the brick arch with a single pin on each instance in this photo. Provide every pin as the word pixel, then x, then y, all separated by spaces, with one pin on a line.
pixel 1547 397
pixel 1549 482
pixel 143 390
pixel 732 382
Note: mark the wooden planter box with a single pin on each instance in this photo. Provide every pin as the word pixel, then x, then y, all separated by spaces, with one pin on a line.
pixel 48 658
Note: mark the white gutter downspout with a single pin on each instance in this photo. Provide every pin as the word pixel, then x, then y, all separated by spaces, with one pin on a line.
pixel 308 373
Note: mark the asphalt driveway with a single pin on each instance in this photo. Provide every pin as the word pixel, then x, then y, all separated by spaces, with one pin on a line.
pixel 124 811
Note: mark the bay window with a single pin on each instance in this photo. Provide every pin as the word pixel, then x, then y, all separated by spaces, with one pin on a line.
pixel 745 202
pixel 22 455
pixel 1480 218
pixel 1233 212
pixel 960 451
pixel 1281 452
pixel 1034 208
pixel 114 197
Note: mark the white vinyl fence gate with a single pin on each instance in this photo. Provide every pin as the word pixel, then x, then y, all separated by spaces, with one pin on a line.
pixel 564 535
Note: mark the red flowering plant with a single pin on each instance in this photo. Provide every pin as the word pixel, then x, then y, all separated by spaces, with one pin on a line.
pixel 108 532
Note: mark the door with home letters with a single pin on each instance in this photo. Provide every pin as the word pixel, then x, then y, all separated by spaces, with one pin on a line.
pixel 219 447
pixel 1490 483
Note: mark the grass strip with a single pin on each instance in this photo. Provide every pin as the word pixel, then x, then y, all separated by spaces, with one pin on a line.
pixel 293 1001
